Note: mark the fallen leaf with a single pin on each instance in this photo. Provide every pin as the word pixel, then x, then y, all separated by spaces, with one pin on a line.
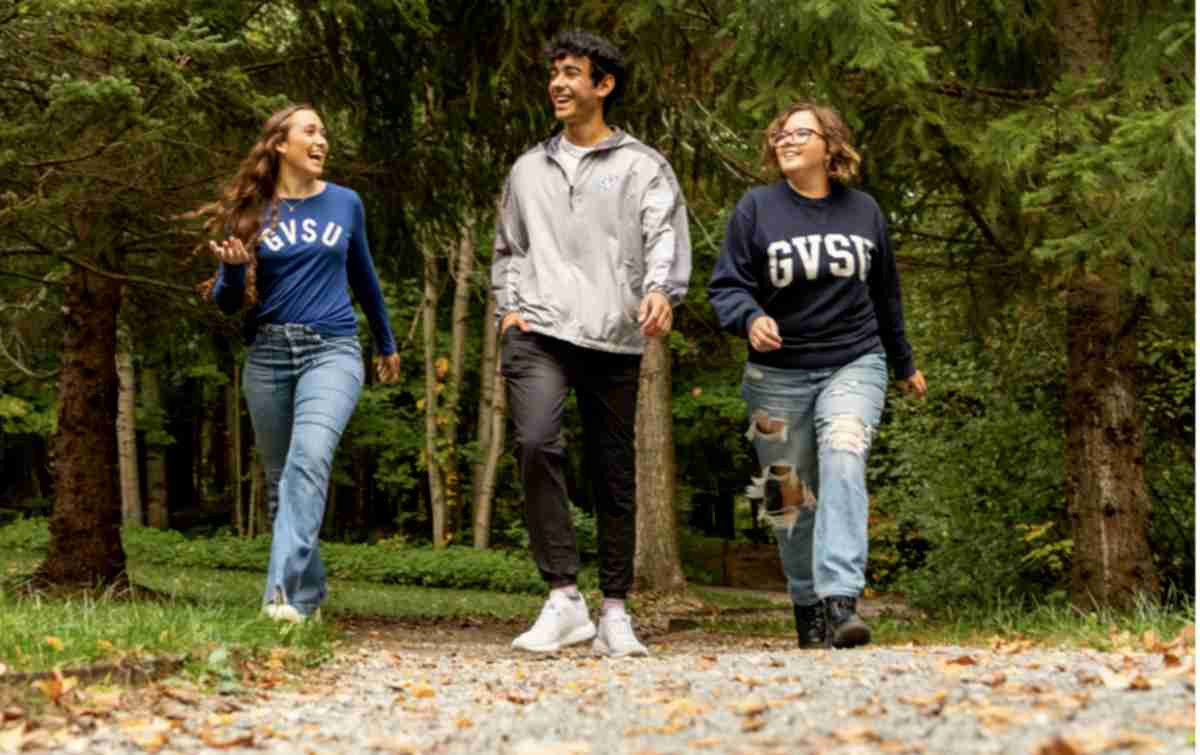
pixel 754 723
pixel 1140 682
pixel 56 687
pixel 212 739
pixel 55 643
pixel 707 743
pixel 12 712
pixel 750 706
pixel 423 690
pixel 857 734
pixel 962 660
pixel 1150 640
pixel 535 747
pixel 995 679
pixel 684 707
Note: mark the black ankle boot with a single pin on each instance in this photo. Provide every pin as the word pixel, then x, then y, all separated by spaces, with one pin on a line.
pixel 843 627
pixel 810 625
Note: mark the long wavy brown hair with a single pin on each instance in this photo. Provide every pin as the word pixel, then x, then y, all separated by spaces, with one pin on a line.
pixel 842 161
pixel 239 210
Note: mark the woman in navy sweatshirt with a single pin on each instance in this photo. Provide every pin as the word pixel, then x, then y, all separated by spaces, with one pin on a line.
pixel 807 276
pixel 295 247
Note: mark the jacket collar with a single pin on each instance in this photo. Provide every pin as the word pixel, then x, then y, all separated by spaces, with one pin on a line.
pixel 615 139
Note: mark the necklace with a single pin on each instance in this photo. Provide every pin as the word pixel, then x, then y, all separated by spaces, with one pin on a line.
pixel 292 207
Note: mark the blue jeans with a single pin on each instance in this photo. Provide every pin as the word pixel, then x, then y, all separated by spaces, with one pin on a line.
pixel 301 389
pixel 812 430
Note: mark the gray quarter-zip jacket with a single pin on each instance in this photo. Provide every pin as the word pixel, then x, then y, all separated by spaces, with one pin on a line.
pixel 575 255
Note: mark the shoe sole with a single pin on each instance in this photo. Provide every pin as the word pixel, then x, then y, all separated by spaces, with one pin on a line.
pixel 852 636
pixel 582 634
pixel 602 649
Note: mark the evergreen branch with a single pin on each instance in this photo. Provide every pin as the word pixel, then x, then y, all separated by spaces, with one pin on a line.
pixel 969 204
pixel 22 368
pixel 933 236
pixel 27 277
pixel 959 90
pixel 23 251
pixel 69 160
pixel 136 279
pixel 260 67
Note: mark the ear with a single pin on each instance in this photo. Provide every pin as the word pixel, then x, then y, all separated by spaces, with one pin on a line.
pixel 606 85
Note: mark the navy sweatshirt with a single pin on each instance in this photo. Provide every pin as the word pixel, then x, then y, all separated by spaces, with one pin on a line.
pixel 822 268
pixel 307 265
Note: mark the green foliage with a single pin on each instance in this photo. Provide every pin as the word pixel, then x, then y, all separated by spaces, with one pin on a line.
pixel 454 567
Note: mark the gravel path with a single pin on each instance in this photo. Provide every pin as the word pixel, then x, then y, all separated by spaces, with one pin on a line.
pixel 454 690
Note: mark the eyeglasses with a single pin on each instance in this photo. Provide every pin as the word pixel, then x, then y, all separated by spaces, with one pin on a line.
pixel 798 135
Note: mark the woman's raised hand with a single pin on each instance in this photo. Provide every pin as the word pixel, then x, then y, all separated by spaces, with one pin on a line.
pixel 231 251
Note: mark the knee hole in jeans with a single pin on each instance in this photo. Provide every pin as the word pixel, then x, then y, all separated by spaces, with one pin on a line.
pixel 766 427
pixel 847 432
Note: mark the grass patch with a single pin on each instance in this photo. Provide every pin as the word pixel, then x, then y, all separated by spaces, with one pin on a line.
pixel 1045 624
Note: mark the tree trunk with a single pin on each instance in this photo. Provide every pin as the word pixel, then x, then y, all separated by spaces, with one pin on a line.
pixel 233 405
pixel 492 399
pixel 156 465
pixel 463 264
pixel 657 567
pixel 1107 499
pixel 433 466
pixel 131 491
pixel 85 527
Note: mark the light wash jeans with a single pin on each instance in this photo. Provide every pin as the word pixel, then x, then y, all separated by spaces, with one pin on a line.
pixel 301 389
pixel 825 419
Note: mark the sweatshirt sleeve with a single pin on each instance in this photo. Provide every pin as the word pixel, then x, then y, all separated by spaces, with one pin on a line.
pixel 360 269
pixel 230 287
pixel 510 243
pixel 884 283
pixel 733 290
pixel 667 245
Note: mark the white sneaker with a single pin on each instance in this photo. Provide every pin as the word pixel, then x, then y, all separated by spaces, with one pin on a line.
pixel 278 610
pixel 616 637
pixel 563 621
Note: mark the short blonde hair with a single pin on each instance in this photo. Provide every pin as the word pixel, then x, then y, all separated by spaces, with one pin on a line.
pixel 843 159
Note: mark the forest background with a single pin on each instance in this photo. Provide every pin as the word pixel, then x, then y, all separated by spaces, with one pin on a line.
pixel 1035 160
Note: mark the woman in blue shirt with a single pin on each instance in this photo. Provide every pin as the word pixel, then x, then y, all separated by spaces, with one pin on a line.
pixel 807 276
pixel 295 247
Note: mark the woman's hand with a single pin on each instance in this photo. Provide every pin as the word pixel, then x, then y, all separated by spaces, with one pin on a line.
pixel 387 369
pixel 764 334
pixel 914 385
pixel 231 251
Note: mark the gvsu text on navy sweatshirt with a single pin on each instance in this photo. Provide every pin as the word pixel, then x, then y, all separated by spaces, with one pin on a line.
pixel 822 268
pixel 307 265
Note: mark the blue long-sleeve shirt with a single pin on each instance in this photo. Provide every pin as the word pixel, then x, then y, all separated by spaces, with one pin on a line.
pixel 823 269
pixel 308 264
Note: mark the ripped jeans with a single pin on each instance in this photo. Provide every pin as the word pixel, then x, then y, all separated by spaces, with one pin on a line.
pixel 812 430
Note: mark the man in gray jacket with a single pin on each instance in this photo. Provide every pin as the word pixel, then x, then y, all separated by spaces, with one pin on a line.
pixel 591 253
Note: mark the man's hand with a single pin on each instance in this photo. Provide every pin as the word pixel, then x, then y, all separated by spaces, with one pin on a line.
pixel 231 251
pixel 764 334
pixel 513 318
pixel 655 314
pixel 914 385
pixel 387 368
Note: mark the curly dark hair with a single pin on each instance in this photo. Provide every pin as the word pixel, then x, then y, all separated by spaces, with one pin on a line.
pixel 606 59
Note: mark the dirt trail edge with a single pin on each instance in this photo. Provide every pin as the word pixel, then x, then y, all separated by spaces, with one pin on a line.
pixel 433 689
